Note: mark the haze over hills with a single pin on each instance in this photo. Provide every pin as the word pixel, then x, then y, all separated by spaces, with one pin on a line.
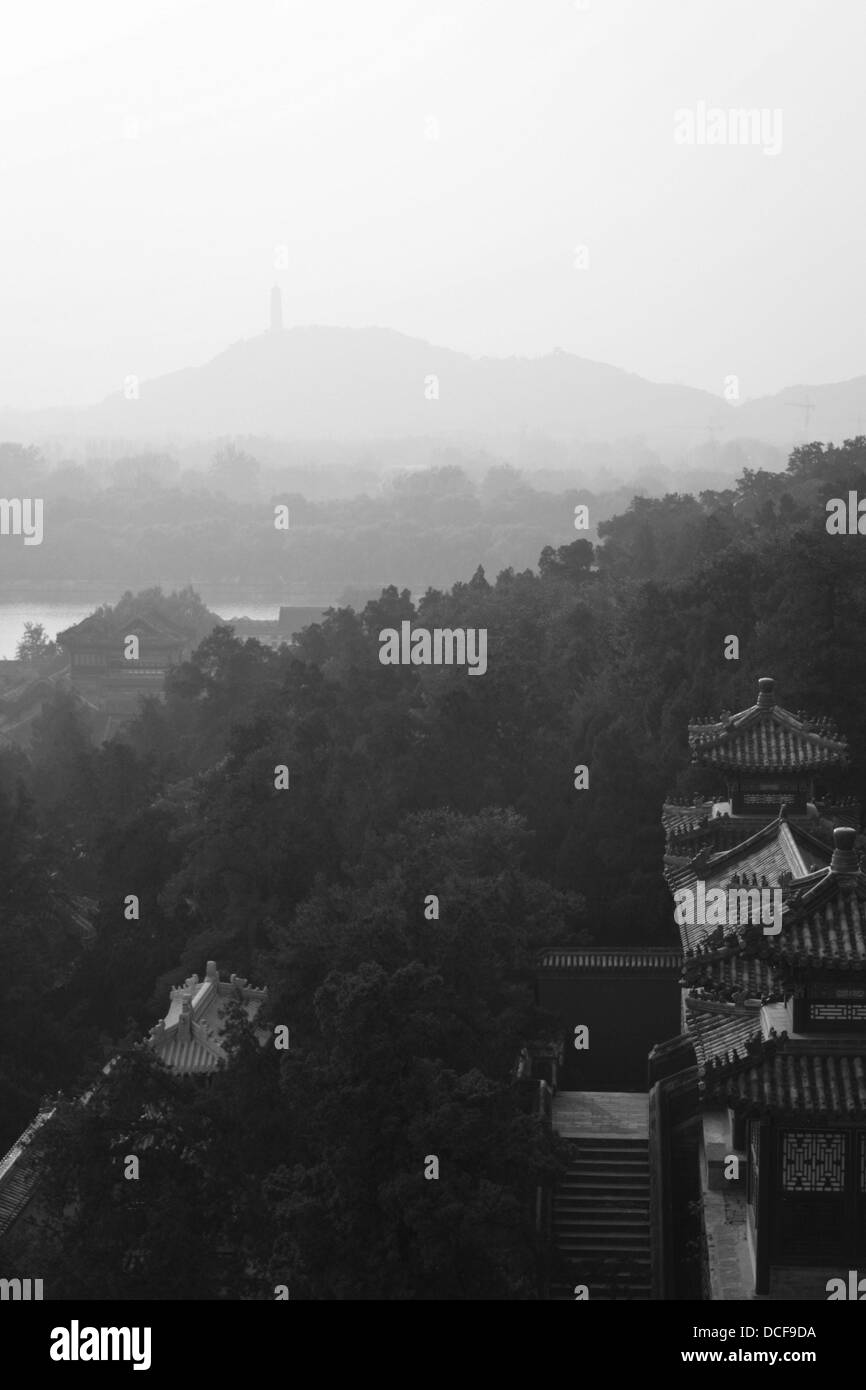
pixel 374 383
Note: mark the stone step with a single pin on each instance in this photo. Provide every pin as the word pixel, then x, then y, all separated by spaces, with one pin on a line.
pixel 603 1287
pixel 597 1187
pixel 583 1161
pixel 603 1183
pixel 636 1293
pixel 601 1204
pixel 601 1201
pixel 602 1264
pixel 609 1146
pixel 599 1155
pixel 591 1172
pixel 606 1221
pixel 601 1170
pixel 624 1151
pixel 626 1155
pixel 610 1143
pixel 602 1245
pixel 571 1216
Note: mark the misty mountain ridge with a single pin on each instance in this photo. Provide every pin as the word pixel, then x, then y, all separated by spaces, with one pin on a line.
pixel 315 383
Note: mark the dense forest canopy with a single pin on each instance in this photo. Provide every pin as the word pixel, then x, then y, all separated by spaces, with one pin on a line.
pixel 405 781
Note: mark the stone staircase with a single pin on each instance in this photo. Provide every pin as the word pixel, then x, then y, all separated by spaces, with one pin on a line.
pixel 18 1174
pixel 601 1205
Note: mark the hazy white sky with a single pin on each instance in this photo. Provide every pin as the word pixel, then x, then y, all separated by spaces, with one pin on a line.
pixel 154 154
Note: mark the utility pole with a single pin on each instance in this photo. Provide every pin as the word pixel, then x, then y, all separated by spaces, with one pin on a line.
pixel 807 407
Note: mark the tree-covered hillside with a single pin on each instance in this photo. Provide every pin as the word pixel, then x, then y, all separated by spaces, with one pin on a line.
pixel 404 782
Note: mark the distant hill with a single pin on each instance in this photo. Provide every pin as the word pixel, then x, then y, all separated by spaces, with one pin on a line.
pixel 373 383
pixel 830 413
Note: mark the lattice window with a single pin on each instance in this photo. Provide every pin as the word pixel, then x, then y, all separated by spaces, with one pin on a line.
pixel 838 1013
pixel 813 1161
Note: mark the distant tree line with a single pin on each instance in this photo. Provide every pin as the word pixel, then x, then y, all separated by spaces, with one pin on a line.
pixel 141 519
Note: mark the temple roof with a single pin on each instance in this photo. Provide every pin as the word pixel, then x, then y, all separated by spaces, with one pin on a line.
pixel 189 1039
pixel 108 625
pixel 667 958
pixel 721 1031
pixel 823 924
pixel 778 855
pixel 767 738
pixel 728 975
pixel 834 936
pixel 824 915
pixel 678 817
pixel 777 1077
pixel 710 825
pixel 779 850
pixel 739 972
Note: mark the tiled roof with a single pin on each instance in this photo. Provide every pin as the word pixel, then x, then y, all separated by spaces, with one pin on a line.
pixel 768 738
pixel 192 1052
pixel 775 849
pixel 610 958
pixel 189 1039
pixel 823 926
pixel 109 624
pixel 778 850
pixel 824 918
pixel 730 973
pixel 722 1032
pixel 782 1079
pixel 741 904
pixel 779 854
pixel 723 832
pixel 830 933
pixel 677 819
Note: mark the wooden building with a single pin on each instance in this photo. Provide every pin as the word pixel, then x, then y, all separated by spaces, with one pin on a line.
pixel 764 1090
pixel 189 1038
pixel 99 647
pixel 597 988
pixel 767 755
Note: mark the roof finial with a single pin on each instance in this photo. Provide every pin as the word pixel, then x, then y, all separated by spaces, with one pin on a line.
pixel 845 859
pixel 766 698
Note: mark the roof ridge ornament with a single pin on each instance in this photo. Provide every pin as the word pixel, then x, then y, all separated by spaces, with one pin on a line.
pixel 766 692
pixel 846 858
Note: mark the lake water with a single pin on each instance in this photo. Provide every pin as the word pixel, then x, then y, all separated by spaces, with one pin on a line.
pixel 54 617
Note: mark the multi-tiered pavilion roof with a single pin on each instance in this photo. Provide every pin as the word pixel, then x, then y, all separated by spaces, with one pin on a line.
pixel 772 1053
pixel 767 738
pixel 733 972
pixel 767 759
